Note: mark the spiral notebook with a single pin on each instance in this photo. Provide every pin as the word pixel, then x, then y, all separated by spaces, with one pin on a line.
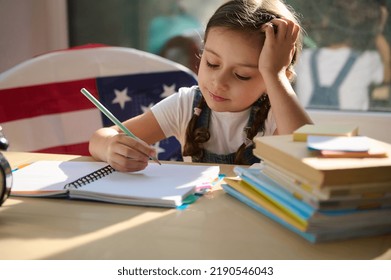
pixel 164 185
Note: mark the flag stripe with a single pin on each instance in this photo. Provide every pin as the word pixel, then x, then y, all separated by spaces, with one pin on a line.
pixel 52 130
pixel 44 99
pixel 42 109
pixel 85 64
pixel 75 149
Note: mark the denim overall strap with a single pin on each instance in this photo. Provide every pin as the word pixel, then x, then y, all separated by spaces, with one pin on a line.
pixel 323 96
pixel 203 121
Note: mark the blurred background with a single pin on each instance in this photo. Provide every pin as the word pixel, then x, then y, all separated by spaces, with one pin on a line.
pixel 354 35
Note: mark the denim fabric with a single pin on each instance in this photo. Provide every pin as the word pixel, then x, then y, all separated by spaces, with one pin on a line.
pixel 324 97
pixel 203 121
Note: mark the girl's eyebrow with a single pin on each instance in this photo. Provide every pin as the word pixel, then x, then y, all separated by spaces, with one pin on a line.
pixel 248 65
pixel 211 51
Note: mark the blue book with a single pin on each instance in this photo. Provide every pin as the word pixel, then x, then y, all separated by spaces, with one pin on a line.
pixel 320 227
pixel 241 197
pixel 278 195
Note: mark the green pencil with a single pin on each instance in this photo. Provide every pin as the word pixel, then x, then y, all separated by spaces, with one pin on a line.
pixel 108 114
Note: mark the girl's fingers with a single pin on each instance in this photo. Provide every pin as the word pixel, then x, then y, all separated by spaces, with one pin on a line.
pixel 269 30
pixel 128 165
pixel 129 154
pixel 135 147
pixel 286 29
pixel 133 162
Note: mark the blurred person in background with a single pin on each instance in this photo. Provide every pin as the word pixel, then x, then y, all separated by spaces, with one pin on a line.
pixel 176 35
pixel 348 59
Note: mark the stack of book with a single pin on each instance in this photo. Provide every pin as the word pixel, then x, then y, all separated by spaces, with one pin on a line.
pixel 321 198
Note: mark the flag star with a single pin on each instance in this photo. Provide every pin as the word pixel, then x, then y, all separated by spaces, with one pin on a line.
pixel 158 148
pixel 144 108
pixel 121 97
pixel 168 90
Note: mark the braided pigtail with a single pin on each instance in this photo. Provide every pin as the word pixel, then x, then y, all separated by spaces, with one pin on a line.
pixel 196 136
pixel 260 111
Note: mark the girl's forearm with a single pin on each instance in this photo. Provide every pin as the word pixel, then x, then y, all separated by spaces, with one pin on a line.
pixel 287 111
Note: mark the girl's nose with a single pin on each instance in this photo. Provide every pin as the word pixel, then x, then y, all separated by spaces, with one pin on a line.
pixel 220 80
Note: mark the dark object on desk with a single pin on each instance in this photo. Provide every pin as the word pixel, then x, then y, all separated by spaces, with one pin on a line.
pixel 5 179
pixel 3 141
pixel 5 170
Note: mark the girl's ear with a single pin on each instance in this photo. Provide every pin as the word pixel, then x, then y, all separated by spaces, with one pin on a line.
pixel 291 75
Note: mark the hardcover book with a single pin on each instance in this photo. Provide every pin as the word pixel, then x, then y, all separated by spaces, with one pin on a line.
pixel 311 224
pixel 295 158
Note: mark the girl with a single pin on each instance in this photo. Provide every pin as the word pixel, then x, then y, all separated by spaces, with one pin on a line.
pixel 244 90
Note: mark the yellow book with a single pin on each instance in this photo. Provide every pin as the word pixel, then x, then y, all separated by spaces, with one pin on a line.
pixel 277 210
pixel 324 130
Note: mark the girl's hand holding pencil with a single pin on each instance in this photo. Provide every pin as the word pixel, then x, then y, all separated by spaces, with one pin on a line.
pixel 136 150
pixel 127 154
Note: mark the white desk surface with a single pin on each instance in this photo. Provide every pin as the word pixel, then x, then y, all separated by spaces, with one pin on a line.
pixel 217 226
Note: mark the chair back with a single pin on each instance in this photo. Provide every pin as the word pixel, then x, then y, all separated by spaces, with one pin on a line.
pixel 43 110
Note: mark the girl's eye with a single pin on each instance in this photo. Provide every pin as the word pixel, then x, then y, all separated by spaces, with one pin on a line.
pixel 211 65
pixel 242 77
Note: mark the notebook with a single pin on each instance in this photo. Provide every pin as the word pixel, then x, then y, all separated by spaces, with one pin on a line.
pixel 164 185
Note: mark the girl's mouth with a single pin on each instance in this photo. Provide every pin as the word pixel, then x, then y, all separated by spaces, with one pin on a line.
pixel 217 98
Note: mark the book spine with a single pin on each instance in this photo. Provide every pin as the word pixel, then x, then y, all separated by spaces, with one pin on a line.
pixel 292 165
pixel 308 236
pixel 96 175
pixel 307 178
pixel 283 175
pixel 301 191
pixel 335 192
pixel 278 195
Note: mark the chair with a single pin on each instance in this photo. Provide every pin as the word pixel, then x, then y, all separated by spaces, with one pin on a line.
pixel 42 109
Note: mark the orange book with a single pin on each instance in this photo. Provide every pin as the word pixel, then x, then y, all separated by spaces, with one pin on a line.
pixel 371 153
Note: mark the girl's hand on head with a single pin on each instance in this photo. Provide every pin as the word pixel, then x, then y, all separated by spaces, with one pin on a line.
pixel 279 46
pixel 127 154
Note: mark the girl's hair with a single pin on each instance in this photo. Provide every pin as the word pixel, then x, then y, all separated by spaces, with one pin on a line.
pixel 249 15
pixel 245 16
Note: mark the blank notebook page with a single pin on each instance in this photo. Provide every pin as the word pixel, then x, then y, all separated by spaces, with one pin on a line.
pixel 156 182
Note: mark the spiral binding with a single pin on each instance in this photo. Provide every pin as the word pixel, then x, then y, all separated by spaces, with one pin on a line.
pixel 100 173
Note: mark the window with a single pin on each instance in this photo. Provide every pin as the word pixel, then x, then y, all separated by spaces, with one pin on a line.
pixel 345 63
pixel 343 73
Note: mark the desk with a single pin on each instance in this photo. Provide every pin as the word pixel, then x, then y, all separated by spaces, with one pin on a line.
pixel 217 226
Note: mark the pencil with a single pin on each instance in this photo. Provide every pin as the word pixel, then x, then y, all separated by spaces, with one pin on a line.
pixel 108 114
pixel 20 166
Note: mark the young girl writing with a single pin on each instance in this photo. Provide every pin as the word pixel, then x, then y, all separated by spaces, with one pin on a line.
pixel 244 90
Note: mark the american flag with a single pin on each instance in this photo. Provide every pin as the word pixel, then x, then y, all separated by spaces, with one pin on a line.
pixel 43 110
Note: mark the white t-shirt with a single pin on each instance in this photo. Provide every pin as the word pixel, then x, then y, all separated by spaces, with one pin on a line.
pixel 226 128
pixel 353 93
